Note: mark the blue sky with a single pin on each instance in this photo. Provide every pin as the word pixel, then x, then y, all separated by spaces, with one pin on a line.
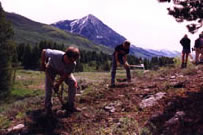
pixel 143 22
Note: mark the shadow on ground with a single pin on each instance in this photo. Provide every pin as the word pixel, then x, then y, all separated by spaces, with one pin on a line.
pixel 38 122
pixel 182 116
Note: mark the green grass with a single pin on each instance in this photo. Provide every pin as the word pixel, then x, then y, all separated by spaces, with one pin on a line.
pixel 23 93
pixel 28 92
pixel 4 122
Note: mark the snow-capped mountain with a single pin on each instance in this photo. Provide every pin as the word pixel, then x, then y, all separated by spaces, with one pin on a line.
pixel 93 29
pixel 164 52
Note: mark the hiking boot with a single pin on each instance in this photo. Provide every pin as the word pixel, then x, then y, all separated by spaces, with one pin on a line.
pixel 112 86
pixel 61 113
pixel 182 65
pixel 74 109
pixel 64 106
pixel 185 65
pixel 129 80
pixel 69 108
pixel 48 112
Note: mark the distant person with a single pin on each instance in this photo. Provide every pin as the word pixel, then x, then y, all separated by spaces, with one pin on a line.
pixel 55 62
pixel 119 57
pixel 198 48
pixel 185 42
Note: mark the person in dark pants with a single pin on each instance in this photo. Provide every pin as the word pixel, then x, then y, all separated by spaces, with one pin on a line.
pixel 198 48
pixel 185 42
pixel 119 57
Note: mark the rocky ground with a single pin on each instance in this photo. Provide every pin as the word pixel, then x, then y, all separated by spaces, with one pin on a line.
pixel 163 102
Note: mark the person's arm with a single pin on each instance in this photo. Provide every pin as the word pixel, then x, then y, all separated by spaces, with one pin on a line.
pixel 66 74
pixel 181 42
pixel 116 58
pixel 43 59
pixel 125 60
pixel 60 81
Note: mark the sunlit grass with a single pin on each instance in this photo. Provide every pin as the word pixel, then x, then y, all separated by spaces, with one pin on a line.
pixel 4 122
pixel 28 92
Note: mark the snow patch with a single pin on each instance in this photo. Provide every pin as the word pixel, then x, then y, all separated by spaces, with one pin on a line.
pixel 99 37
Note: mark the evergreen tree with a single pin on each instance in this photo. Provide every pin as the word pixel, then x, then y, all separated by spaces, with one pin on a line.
pixel 36 55
pixel 106 66
pixel 6 33
pixel 187 10
pixel 27 57
pixel 20 51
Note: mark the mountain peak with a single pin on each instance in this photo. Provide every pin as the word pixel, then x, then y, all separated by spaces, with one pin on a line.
pixel 90 16
pixel 93 29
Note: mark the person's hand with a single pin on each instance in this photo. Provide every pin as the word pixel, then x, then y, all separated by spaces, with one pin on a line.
pixel 117 63
pixel 76 84
pixel 126 65
pixel 43 67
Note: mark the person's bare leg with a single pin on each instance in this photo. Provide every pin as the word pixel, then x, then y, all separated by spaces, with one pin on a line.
pixel 183 56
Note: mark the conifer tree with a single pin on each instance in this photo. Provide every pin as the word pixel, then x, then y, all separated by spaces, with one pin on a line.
pixel 6 34
pixel 27 57
pixel 187 10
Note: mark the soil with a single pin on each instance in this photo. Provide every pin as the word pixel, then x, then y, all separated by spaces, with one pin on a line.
pixel 118 110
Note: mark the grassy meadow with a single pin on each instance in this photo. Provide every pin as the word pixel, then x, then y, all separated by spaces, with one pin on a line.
pixel 28 92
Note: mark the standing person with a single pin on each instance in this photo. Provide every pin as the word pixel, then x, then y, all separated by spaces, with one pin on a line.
pixel 120 57
pixel 55 62
pixel 185 42
pixel 198 48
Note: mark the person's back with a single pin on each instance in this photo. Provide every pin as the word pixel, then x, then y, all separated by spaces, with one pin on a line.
pixel 185 42
pixel 201 42
pixel 198 48
pixel 197 43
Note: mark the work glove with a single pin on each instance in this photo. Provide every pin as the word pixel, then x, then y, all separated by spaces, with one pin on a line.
pixel 43 67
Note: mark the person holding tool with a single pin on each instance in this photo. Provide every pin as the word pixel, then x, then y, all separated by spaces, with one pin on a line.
pixel 119 57
pixel 55 62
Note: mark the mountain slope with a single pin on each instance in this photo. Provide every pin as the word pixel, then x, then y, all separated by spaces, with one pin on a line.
pixel 28 31
pixel 98 32
pixel 101 37
pixel 137 51
pixel 93 29
pixel 165 53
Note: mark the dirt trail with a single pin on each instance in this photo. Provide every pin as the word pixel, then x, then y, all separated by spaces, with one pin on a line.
pixel 169 102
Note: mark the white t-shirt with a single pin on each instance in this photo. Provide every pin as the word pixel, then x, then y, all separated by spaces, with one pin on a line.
pixel 56 62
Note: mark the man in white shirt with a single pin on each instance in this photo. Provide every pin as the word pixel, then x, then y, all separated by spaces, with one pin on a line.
pixel 56 62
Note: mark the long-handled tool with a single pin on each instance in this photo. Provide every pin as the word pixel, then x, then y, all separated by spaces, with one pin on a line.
pixel 141 66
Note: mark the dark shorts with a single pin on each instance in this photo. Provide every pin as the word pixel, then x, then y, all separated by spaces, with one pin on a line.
pixel 186 51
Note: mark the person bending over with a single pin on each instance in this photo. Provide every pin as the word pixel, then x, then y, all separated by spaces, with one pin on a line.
pixel 119 57
pixel 55 62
